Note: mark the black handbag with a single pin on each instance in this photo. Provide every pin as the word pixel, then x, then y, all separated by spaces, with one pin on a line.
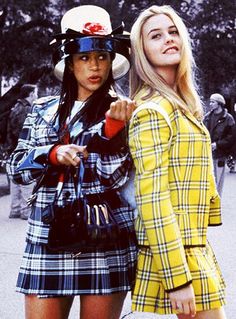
pixel 84 225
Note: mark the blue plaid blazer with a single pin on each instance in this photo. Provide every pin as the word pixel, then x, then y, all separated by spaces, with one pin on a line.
pixel 36 140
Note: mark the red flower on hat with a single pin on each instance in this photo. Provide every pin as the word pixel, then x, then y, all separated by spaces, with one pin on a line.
pixel 94 28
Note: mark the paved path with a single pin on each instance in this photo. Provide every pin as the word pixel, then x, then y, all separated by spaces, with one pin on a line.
pixel 12 237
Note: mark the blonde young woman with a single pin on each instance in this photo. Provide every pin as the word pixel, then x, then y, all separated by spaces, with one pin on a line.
pixel 177 200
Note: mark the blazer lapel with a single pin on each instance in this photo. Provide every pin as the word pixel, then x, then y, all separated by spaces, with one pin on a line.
pixel 198 123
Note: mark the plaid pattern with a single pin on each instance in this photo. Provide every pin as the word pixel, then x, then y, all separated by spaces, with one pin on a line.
pixel 50 274
pixel 149 294
pixel 37 138
pixel 43 272
pixel 175 189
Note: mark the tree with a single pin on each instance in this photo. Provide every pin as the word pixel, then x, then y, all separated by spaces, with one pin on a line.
pixel 26 29
pixel 213 30
pixel 27 26
pixel 24 25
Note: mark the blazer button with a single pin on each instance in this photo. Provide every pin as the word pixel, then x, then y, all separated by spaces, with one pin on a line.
pixel 212 200
pixel 67 194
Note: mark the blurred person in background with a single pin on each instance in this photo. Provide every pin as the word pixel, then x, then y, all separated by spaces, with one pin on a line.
pixel 231 160
pixel 220 125
pixel 19 193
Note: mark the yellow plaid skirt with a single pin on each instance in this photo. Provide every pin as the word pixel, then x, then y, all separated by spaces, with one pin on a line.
pixel 208 284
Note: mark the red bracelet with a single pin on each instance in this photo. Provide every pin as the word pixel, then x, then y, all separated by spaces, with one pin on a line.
pixel 53 155
pixel 112 126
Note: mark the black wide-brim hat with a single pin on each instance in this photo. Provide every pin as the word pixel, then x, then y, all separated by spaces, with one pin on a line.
pixel 88 28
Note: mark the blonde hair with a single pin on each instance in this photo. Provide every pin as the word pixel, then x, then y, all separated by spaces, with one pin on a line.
pixel 186 97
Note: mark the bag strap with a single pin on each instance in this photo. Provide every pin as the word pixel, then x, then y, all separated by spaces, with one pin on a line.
pixel 78 176
pixel 39 183
pixel 156 107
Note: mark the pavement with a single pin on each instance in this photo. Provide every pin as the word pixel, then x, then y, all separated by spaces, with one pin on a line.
pixel 12 241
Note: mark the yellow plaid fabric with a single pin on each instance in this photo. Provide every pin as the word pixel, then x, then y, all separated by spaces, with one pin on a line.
pixel 175 190
pixel 149 294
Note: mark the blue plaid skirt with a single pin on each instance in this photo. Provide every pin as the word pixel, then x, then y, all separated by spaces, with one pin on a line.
pixel 49 274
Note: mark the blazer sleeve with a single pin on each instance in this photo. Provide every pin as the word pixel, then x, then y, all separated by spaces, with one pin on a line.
pixel 149 145
pixel 28 161
pixel 113 167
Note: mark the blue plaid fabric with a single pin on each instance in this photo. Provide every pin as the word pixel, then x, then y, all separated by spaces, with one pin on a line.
pixel 51 274
pixel 37 138
pixel 43 272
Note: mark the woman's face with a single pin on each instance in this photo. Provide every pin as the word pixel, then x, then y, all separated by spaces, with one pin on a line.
pixel 91 71
pixel 162 43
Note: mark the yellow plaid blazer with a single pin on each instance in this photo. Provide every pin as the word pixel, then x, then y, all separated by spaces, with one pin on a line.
pixel 175 188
